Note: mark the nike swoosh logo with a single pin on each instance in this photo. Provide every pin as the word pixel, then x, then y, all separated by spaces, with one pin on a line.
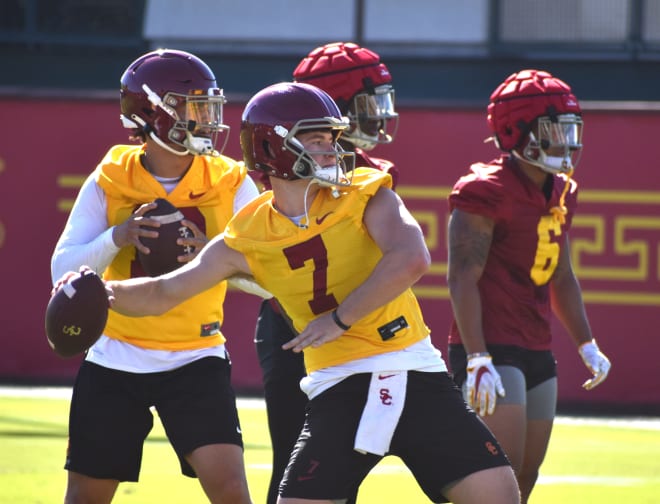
pixel 385 377
pixel 195 196
pixel 319 220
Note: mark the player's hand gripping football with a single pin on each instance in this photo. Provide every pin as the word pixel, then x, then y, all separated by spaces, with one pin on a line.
pixel 192 244
pixel 130 231
pixel 596 362
pixel 483 384
pixel 67 277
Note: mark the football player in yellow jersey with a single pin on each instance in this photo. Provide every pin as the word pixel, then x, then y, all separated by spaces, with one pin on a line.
pixel 175 362
pixel 340 251
pixel 361 85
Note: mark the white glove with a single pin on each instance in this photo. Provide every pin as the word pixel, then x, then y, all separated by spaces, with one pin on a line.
pixel 483 384
pixel 596 362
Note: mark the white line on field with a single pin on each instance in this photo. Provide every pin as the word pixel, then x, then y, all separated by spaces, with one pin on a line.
pixel 651 423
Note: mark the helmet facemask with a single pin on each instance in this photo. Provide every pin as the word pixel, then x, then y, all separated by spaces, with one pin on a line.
pixel 305 166
pixel 197 120
pixel 371 115
pixel 555 145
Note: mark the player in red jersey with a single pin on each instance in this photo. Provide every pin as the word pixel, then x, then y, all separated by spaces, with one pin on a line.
pixel 509 268
pixel 362 88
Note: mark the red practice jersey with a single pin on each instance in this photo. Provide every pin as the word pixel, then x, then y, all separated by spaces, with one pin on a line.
pixel 527 239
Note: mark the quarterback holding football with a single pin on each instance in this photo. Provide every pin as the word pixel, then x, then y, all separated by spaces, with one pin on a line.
pixel 148 208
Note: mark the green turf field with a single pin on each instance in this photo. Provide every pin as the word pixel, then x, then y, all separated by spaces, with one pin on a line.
pixel 597 461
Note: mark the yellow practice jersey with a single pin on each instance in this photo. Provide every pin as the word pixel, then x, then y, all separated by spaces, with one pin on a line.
pixel 205 195
pixel 310 270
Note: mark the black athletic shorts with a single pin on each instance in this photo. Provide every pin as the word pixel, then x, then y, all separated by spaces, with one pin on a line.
pixel 537 366
pixel 438 437
pixel 277 365
pixel 110 415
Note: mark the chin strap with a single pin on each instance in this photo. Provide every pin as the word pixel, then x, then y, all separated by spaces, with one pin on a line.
pixel 305 225
pixel 559 212
pixel 155 138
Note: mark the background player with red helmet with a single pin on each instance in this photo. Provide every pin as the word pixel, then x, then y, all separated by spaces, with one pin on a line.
pixel 376 384
pixel 362 88
pixel 509 268
pixel 175 362
pixel 361 85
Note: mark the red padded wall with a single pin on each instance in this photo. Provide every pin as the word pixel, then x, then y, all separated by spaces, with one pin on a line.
pixel 47 146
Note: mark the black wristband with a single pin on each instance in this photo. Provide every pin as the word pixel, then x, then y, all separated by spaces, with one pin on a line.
pixel 338 321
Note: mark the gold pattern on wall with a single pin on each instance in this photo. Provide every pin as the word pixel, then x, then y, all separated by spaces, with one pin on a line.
pixel 615 251
pixel 615 243
pixel 69 182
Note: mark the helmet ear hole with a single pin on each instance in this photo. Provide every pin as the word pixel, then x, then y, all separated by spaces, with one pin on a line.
pixel 524 128
pixel 265 145
pixel 161 124
pixel 368 83
pixel 302 168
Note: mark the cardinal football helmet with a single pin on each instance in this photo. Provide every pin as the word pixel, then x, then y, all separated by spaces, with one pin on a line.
pixel 538 118
pixel 172 97
pixel 272 119
pixel 360 85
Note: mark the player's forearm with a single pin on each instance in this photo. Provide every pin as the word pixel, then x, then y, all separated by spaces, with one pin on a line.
pixel 138 297
pixel 469 240
pixel 568 307
pixel 466 305
pixel 97 254
pixel 86 239
pixel 566 299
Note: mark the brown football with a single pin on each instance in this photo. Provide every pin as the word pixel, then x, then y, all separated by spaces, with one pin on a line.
pixel 76 314
pixel 164 249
